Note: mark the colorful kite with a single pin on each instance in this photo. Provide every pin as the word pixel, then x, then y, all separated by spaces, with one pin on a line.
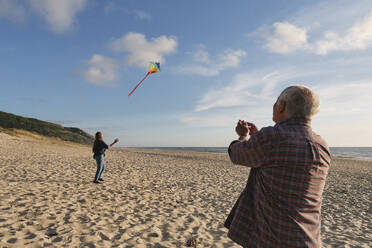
pixel 154 68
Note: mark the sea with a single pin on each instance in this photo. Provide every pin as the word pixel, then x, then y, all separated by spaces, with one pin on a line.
pixel 347 152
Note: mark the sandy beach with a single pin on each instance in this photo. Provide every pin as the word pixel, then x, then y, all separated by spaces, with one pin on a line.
pixel 149 198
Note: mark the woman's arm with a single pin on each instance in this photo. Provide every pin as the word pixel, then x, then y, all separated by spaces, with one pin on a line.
pixel 113 143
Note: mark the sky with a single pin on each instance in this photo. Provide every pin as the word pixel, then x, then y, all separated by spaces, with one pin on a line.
pixel 74 62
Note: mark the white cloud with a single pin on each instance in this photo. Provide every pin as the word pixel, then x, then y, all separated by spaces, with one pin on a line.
pixel 209 120
pixel 344 87
pixel 228 59
pixel 235 94
pixel 344 118
pixel 142 15
pixel 207 71
pixel 248 89
pixel 346 98
pixel 286 38
pixel 261 115
pixel 201 55
pixel 112 7
pixel 12 10
pixel 143 51
pixel 59 15
pixel 345 112
pixel 358 37
pixel 345 134
pixel 339 95
pixel 101 71
pixel 334 15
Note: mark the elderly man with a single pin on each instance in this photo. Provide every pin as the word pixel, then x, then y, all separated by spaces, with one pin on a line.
pixel 281 203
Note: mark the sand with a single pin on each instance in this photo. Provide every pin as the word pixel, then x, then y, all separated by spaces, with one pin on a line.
pixel 149 198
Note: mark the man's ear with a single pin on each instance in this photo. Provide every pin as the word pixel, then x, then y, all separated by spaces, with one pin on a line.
pixel 282 107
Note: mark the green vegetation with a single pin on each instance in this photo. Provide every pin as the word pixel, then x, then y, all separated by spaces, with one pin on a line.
pixel 10 121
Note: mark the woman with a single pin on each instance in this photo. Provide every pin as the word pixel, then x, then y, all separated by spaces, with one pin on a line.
pixel 99 148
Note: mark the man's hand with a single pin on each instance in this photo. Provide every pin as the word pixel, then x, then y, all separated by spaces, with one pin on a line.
pixel 243 129
pixel 252 128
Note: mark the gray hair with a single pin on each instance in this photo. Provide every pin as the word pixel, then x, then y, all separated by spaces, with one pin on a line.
pixel 300 102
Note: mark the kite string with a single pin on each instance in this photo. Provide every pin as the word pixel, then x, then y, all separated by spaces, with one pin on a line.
pixel 139 84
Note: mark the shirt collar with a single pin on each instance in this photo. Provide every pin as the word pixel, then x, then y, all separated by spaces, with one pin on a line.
pixel 295 121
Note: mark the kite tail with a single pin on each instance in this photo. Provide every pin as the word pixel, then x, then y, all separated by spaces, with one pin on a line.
pixel 139 84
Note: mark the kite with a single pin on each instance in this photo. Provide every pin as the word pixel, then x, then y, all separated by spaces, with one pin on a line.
pixel 154 68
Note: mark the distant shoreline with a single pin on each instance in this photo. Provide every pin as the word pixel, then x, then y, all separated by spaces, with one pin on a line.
pixel 222 150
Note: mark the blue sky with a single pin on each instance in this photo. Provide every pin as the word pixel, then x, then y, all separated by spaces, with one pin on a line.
pixel 73 62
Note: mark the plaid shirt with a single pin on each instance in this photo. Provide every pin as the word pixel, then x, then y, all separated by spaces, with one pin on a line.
pixel 280 205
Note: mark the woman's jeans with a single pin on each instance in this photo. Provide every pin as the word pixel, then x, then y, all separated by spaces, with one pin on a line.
pixel 101 166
